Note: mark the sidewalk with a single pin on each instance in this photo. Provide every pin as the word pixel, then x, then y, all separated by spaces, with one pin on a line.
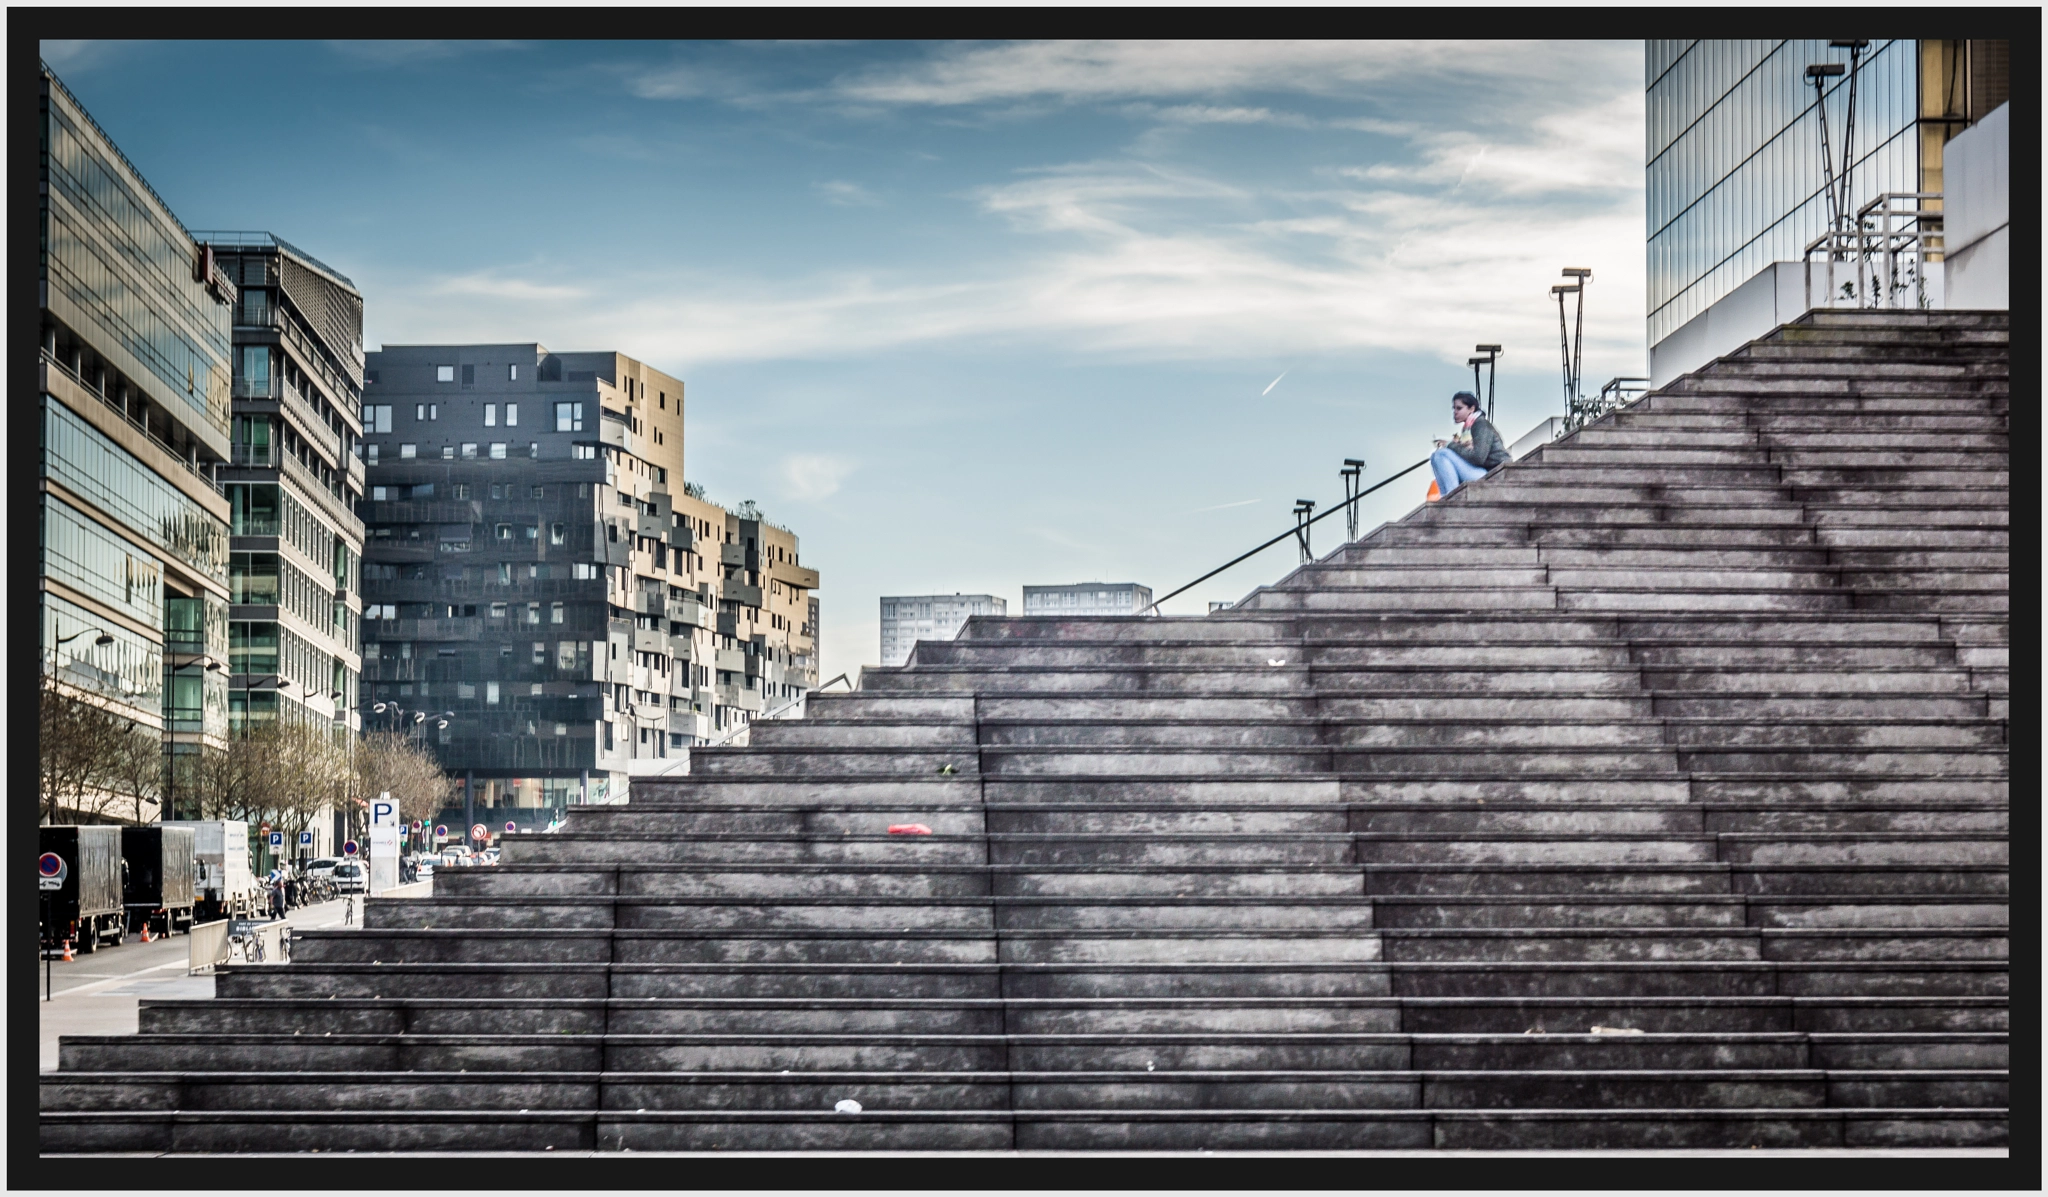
pixel 97 994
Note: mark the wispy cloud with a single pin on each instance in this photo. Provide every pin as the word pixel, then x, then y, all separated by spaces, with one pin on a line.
pixel 1224 506
pixel 812 476
pixel 846 194
pixel 1453 235
pixel 490 286
pixel 1213 114
pixel 1097 70
pixel 387 55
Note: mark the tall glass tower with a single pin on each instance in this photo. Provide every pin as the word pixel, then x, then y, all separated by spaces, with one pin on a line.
pixel 1735 179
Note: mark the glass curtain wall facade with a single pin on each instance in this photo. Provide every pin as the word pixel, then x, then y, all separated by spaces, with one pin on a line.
pixel 1735 179
pixel 135 373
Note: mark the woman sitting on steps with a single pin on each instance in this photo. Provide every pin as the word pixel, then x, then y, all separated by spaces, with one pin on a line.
pixel 1476 450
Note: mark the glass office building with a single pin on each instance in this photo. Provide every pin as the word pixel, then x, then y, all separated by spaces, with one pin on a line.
pixel 1735 176
pixel 134 374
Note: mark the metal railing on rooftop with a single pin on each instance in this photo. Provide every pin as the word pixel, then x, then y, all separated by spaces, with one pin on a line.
pixel 1884 255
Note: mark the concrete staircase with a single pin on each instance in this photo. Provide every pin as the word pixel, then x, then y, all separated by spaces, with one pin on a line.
pixel 1649 792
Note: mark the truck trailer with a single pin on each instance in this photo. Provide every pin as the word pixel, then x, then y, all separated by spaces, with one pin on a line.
pixel 227 885
pixel 88 909
pixel 162 877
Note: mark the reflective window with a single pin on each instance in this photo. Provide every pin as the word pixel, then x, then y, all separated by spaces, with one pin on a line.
pixel 85 556
pixel 1735 175
pixel 111 478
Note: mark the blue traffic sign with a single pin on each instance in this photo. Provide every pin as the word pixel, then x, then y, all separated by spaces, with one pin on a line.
pixel 277 839
pixel 348 848
pixel 51 865
pixel 305 837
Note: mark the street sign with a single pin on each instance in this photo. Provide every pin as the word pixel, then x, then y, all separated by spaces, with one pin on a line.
pixel 277 839
pixel 511 826
pixel 440 833
pixel 51 871
pixel 348 848
pixel 479 832
pixel 305 838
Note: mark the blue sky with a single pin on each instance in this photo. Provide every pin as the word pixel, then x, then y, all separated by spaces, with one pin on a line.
pixel 965 316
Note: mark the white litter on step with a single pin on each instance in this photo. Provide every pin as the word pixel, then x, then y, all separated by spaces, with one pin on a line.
pixel 846 1105
pixel 1600 1030
pixel 1272 661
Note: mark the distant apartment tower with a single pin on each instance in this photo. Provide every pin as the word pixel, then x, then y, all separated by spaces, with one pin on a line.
pixel 535 566
pixel 909 618
pixel 133 378
pixel 1087 598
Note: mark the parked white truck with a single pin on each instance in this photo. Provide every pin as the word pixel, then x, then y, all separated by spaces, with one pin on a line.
pixel 227 886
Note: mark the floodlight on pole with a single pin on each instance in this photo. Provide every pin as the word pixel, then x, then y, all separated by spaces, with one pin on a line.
pixel 1820 73
pixel 1492 353
pixel 1351 474
pixel 1564 339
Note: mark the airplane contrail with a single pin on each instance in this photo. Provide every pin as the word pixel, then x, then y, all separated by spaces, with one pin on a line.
pixel 1221 506
pixel 1271 385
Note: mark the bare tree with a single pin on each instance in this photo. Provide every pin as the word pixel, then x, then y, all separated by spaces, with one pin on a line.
pixel 398 764
pixel 96 762
pixel 281 773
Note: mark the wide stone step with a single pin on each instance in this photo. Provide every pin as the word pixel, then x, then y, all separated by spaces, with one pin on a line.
pixel 1073 1130
pixel 1136 1089
pixel 1932 981
pixel 679 1052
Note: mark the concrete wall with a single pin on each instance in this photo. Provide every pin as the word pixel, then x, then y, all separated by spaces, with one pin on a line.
pixel 1775 295
pixel 1976 180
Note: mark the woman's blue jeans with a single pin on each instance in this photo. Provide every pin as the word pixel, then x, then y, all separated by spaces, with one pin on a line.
pixel 1452 471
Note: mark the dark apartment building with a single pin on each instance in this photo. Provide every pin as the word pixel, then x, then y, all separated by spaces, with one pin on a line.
pixel 540 586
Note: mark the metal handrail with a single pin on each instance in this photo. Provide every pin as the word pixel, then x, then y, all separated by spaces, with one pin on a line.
pixel 1299 529
pixel 1881 232
pixel 1615 393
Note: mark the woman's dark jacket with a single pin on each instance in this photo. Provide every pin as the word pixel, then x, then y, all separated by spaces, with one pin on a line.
pixel 1487 450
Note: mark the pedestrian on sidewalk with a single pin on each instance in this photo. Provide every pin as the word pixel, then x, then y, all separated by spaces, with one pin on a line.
pixel 1476 450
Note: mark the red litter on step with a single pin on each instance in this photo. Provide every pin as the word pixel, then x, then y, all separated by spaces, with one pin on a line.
pixel 909 829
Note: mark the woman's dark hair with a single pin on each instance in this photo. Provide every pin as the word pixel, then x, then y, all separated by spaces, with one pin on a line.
pixel 1467 398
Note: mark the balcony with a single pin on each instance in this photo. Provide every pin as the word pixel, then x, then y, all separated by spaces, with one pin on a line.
pixel 690 611
pixel 743 594
pixel 647 640
pixel 729 660
pixel 791 574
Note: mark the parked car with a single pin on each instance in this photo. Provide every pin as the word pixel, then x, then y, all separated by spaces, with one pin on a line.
pixel 423 866
pixel 350 878
pixel 321 869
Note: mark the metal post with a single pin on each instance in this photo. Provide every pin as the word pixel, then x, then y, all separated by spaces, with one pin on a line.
pixel 1580 276
pixel 468 802
pixel 1350 473
pixel 1302 508
pixel 44 948
pixel 1564 342
pixel 1492 353
pixel 1855 49
pixel 1820 73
